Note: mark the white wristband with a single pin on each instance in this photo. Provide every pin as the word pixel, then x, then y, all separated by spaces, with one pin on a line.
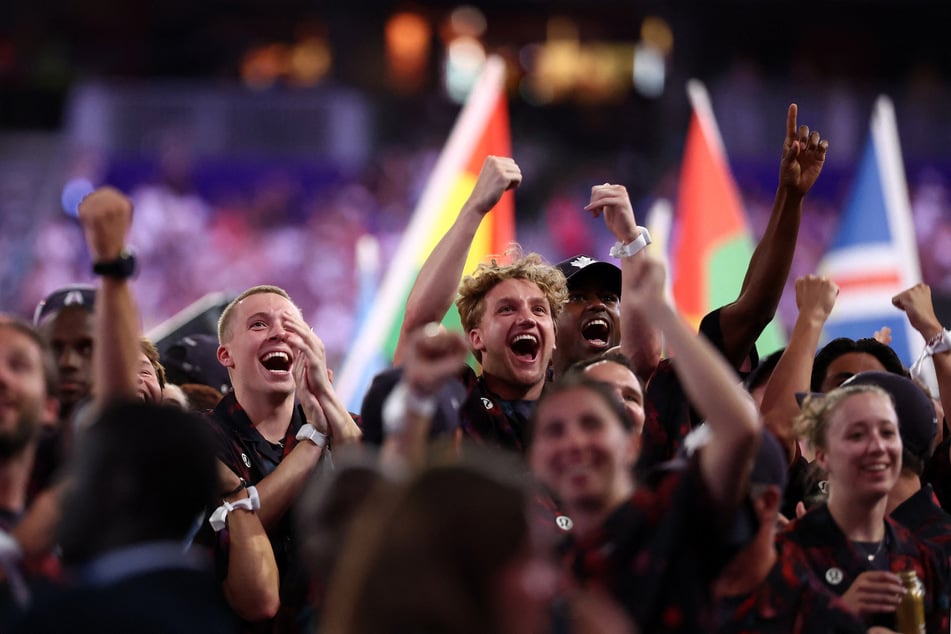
pixel 939 343
pixel 621 250
pixel 309 432
pixel 400 402
pixel 250 503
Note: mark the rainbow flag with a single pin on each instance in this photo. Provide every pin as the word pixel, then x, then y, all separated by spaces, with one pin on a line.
pixel 713 243
pixel 874 255
pixel 481 129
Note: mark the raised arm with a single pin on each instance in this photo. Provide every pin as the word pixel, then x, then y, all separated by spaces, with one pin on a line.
pixel 106 215
pixel 815 298
pixel 710 384
pixel 433 357
pixel 744 320
pixel 435 288
pixel 918 306
pixel 640 340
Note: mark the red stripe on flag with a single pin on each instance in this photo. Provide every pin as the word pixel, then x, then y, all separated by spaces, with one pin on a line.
pixel 890 279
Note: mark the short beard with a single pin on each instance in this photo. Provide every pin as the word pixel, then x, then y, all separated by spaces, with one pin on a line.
pixel 15 441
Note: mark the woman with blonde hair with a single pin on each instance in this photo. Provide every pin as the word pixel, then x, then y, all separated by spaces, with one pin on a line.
pixel 849 542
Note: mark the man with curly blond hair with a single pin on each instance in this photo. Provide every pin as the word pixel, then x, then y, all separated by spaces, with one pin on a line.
pixel 508 309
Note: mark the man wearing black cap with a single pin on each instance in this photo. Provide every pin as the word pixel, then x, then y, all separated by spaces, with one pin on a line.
pixel 595 317
pixel 65 320
pixel 911 502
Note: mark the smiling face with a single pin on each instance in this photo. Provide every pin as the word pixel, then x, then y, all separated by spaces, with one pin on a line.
pixel 861 450
pixel 589 323
pixel 581 451
pixel 256 351
pixel 515 338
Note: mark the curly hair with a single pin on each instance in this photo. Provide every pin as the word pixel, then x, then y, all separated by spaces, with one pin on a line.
pixel 470 300
pixel 152 354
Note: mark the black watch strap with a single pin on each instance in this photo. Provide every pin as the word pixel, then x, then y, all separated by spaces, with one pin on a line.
pixel 122 267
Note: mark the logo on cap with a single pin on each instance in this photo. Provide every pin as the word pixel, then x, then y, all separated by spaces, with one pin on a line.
pixel 487 403
pixel 73 298
pixel 582 261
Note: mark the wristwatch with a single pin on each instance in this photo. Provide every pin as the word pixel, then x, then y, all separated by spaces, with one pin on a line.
pixel 121 268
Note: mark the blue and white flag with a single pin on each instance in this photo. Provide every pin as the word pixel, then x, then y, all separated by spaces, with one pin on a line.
pixel 874 256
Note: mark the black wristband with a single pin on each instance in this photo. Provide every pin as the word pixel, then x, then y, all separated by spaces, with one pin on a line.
pixel 241 487
pixel 121 268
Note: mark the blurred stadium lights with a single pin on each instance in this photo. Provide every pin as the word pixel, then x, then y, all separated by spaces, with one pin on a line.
pixel 565 68
pixel 464 59
pixel 303 64
pixel 407 37
pixel 263 65
pixel 310 61
pixel 465 52
pixel 649 70
pixel 467 21
pixel 650 66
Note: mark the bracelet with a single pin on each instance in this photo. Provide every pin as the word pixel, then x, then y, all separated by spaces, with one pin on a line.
pixel 941 342
pixel 621 250
pixel 402 402
pixel 242 484
pixel 220 515
pixel 309 432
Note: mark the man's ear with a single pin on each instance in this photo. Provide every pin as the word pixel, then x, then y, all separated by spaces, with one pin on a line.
pixel 224 357
pixel 475 340
pixel 820 459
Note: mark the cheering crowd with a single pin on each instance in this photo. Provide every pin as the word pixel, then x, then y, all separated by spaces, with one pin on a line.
pixel 576 459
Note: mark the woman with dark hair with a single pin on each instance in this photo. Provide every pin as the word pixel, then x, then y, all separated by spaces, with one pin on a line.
pixel 849 542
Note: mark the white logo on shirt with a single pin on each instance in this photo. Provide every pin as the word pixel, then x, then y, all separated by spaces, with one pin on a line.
pixel 834 576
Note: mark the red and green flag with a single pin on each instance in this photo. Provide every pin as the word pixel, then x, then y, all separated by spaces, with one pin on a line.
pixel 713 243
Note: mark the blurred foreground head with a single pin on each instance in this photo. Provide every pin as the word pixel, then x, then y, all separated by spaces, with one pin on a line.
pixel 142 472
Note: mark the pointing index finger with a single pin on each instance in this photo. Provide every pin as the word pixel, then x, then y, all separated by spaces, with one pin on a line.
pixel 791 116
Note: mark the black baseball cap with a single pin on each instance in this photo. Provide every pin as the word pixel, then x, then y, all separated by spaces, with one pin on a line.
pixel 581 267
pixel 194 359
pixel 82 295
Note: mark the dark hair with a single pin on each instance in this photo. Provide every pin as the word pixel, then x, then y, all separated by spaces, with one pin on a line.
pixel 843 345
pixel 141 472
pixel 763 370
pixel 613 355
pixel 426 557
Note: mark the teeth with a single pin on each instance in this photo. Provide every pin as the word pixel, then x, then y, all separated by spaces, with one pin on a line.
pixel 876 467
pixel 273 355
pixel 525 337
pixel 596 322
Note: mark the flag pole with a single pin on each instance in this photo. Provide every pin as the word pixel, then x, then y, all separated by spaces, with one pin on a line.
pixel 401 272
